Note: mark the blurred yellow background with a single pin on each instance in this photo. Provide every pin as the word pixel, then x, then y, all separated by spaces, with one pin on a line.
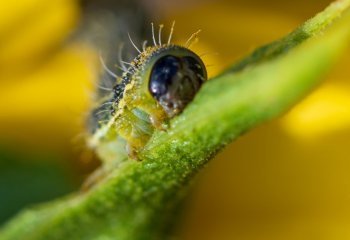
pixel 287 179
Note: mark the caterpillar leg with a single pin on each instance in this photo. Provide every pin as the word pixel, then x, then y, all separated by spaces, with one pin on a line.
pixel 156 114
pixel 131 151
pixel 135 129
pixel 93 179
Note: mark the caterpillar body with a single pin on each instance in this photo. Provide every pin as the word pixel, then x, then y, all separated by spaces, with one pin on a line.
pixel 156 86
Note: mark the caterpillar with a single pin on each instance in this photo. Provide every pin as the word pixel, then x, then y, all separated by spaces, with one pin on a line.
pixel 154 87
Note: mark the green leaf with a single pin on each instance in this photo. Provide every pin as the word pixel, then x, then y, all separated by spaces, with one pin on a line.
pixel 139 199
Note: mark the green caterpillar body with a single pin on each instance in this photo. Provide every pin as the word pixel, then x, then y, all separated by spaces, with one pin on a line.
pixel 156 86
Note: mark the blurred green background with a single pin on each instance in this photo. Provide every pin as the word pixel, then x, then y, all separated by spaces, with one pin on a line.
pixel 287 179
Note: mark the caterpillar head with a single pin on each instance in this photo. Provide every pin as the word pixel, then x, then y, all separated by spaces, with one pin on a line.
pixel 157 85
pixel 175 77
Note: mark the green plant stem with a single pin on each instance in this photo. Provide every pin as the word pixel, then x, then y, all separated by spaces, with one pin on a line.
pixel 137 200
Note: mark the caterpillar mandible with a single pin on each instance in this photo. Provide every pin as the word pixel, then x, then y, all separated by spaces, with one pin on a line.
pixel 156 86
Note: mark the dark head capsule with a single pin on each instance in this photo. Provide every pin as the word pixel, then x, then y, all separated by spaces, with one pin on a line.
pixel 175 80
